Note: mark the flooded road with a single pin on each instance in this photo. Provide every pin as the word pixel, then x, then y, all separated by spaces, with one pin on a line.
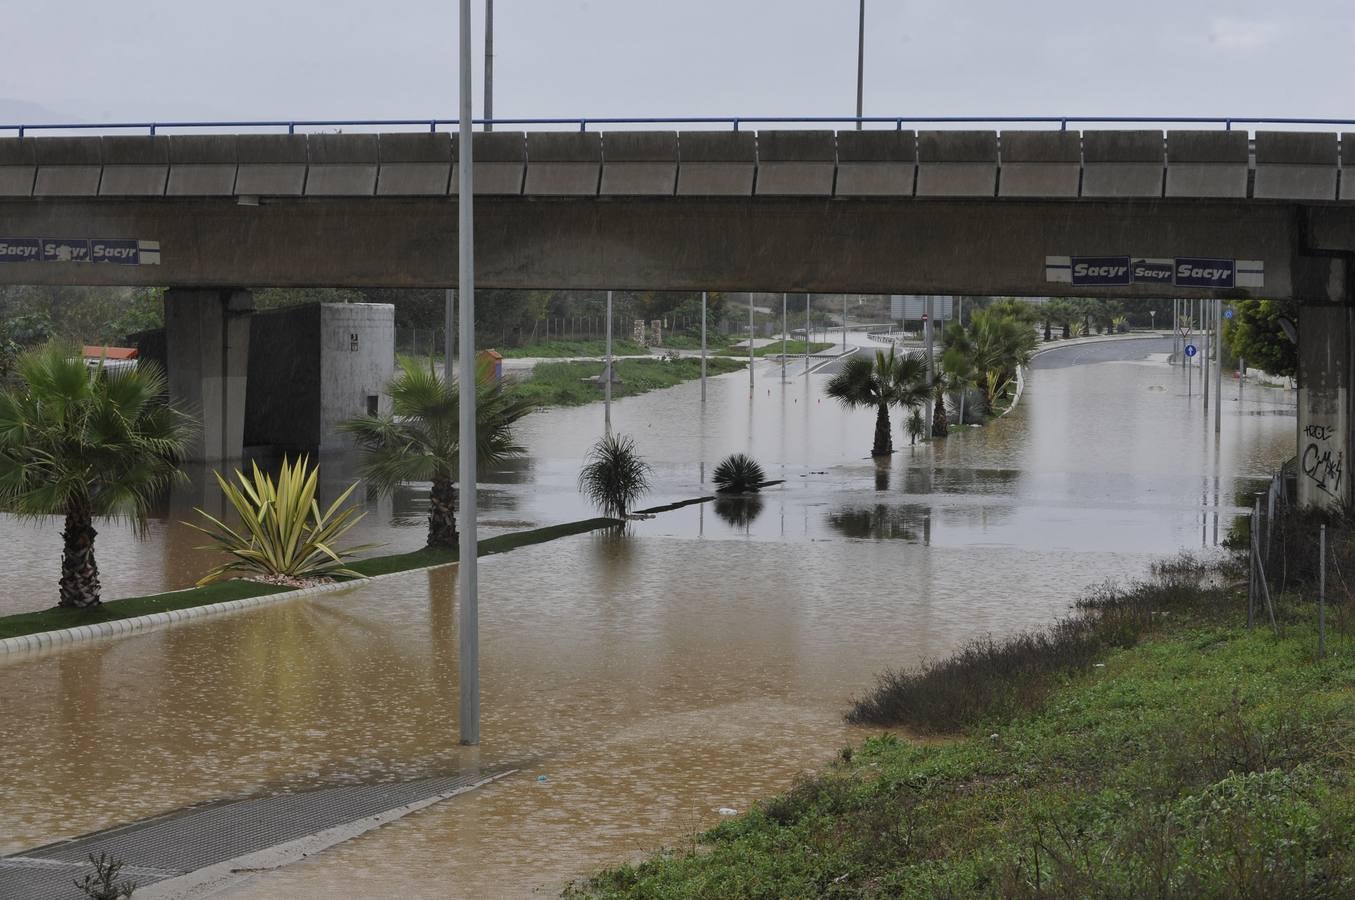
pixel 697 662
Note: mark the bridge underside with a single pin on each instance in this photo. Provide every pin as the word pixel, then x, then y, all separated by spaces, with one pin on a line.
pixel 210 249
pixel 867 245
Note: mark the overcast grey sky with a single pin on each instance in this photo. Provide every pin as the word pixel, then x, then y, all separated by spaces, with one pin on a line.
pixel 194 59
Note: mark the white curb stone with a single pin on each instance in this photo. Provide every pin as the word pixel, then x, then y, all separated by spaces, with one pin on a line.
pixel 48 640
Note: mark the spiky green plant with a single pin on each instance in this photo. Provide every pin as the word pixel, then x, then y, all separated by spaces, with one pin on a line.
pixel 738 473
pixel 614 476
pixel 86 443
pixel 282 530
pixel 421 438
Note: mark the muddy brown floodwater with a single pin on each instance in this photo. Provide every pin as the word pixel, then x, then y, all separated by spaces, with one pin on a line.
pixel 643 681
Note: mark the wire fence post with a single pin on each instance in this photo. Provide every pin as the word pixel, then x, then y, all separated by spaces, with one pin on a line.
pixel 1251 567
pixel 1261 569
pixel 1322 592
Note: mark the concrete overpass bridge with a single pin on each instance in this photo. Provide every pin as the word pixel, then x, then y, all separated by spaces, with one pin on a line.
pixel 1123 212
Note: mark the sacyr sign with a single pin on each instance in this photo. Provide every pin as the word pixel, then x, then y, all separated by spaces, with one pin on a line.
pixel 114 251
pixel 1181 271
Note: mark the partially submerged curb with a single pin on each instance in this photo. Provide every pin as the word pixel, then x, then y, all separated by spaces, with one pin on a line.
pixel 62 637
pixel 46 640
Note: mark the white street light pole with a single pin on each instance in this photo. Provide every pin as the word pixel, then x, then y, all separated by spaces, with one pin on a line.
pixel 783 338
pixel 860 61
pixel 750 343
pixel 607 387
pixel 1218 365
pixel 489 65
pixel 467 589
pixel 703 346
pixel 806 335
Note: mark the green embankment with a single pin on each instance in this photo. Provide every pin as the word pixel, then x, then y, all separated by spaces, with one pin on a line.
pixel 1207 761
pixel 793 348
pixel 563 384
pixel 220 592
pixel 550 349
pixel 675 340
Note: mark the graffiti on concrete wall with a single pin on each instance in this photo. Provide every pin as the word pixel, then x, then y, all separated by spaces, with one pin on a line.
pixel 1323 459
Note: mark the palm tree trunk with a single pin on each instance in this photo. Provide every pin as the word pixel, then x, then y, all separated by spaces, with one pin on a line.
pixel 884 441
pixel 442 515
pixel 79 571
pixel 939 426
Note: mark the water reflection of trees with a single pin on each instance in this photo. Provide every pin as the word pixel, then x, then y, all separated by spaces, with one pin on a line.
pixel 739 512
pixel 941 480
pixel 884 522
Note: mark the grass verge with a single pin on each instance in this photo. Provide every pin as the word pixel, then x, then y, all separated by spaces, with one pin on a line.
pixel 221 592
pixel 793 348
pixel 550 349
pixel 563 384
pixel 1168 752
pixel 684 341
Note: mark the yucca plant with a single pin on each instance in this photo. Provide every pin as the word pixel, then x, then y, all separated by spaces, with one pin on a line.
pixel 738 473
pixel 614 476
pixel 282 530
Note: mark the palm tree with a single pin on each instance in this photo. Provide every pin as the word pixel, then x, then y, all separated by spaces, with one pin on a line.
pixel 959 375
pixel 421 438
pixel 87 443
pixel 993 346
pixel 1060 312
pixel 888 380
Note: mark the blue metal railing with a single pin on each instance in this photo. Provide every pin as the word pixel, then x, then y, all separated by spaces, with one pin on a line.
pixel 733 122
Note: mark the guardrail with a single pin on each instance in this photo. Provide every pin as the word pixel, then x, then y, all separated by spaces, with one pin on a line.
pixel 734 122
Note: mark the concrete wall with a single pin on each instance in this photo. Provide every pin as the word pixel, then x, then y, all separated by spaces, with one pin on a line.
pixel 207 351
pixel 283 398
pixel 312 367
pixel 357 362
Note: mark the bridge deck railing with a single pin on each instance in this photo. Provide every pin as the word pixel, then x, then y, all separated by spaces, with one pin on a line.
pixel 734 123
pixel 1039 162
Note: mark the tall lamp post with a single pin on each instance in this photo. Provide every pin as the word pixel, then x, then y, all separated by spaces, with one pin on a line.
pixel 467 589
pixel 489 65
pixel 860 61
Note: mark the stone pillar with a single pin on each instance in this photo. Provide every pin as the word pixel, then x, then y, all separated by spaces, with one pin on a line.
pixel 207 358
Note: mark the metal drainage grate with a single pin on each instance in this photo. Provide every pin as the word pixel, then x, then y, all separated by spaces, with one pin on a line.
pixel 178 843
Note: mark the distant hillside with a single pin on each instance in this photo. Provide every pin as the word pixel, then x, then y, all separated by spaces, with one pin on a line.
pixel 24 112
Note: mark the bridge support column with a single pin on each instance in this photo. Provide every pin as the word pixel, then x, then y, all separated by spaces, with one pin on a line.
pixel 1326 354
pixel 1324 436
pixel 207 350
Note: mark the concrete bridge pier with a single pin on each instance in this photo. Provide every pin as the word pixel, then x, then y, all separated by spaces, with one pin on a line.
pixel 207 358
pixel 1326 354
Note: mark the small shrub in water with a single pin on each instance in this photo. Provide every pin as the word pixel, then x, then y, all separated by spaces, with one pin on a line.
pixel 738 473
pixel 614 476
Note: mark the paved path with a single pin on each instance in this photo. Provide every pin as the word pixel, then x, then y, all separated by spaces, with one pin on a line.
pixel 171 855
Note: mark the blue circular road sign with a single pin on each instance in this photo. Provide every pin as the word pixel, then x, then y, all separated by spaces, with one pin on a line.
pixel 1190 350
pixel 1227 313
